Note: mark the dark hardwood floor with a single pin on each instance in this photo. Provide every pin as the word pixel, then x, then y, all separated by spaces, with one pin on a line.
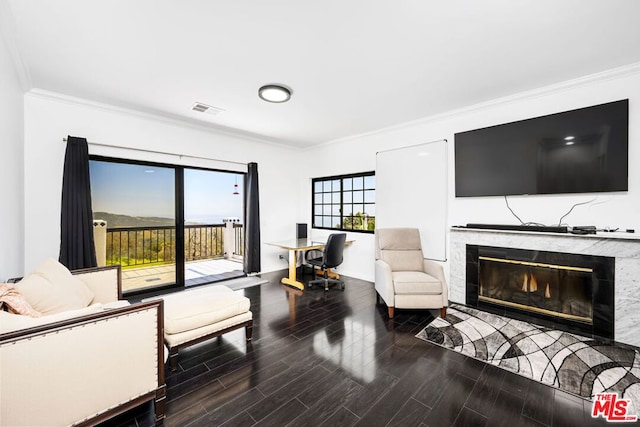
pixel 336 359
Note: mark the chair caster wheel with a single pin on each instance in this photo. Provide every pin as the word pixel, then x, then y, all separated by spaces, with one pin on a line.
pixel 310 286
pixel 342 287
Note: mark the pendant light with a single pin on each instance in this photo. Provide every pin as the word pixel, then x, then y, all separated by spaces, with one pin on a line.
pixel 235 187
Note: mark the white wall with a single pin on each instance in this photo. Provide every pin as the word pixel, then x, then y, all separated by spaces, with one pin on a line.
pixel 51 117
pixel 11 166
pixel 609 210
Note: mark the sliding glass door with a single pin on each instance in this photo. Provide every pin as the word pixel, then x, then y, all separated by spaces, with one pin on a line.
pixel 167 225
pixel 134 211
pixel 213 230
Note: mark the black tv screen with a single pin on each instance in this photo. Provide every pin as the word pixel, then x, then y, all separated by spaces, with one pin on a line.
pixel 577 151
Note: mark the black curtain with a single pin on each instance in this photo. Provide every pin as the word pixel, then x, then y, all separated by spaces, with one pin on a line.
pixel 252 221
pixel 77 248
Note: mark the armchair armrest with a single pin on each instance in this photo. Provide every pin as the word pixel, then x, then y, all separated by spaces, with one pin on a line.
pixel 384 282
pixel 434 269
pixel 83 370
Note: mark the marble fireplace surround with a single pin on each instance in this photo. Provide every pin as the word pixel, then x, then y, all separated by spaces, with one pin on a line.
pixel 624 247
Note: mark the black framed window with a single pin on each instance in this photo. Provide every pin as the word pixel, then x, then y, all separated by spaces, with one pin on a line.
pixel 345 202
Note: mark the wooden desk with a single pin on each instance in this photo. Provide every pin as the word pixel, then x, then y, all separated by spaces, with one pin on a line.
pixel 297 245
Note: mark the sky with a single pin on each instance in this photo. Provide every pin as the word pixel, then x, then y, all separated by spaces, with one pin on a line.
pixel 138 190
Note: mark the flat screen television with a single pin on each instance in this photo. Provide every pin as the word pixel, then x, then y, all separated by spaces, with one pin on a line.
pixel 577 151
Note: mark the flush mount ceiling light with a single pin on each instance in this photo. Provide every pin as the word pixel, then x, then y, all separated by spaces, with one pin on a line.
pixel 274 93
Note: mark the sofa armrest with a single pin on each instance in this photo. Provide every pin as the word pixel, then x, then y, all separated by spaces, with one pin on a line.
pixel 85 369
pixel 104 282
pixel 384 282
pixel 434 269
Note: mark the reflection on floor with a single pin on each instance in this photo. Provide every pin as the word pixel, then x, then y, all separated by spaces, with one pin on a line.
pixel 196 273
pixel 207 271
pixel 336 359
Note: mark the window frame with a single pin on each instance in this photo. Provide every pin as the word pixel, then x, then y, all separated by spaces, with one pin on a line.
pixel 341 203
pixel 179 203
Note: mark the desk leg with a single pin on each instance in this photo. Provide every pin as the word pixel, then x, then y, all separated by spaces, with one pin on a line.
pixel 292 280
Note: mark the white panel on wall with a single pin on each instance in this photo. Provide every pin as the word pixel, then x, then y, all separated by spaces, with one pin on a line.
pixel 412 191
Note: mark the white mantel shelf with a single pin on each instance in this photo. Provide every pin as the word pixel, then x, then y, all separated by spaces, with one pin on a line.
pixel 624 247
pixel 600 235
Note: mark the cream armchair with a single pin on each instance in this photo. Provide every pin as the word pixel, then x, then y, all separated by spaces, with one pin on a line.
pixel 404 278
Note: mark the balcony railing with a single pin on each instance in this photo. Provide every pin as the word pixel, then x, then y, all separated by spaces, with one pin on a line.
pixel 238 233
pixel 203 241
pixel 139 246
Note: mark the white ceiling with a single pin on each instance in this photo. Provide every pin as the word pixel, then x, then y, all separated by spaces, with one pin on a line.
pixel 355 66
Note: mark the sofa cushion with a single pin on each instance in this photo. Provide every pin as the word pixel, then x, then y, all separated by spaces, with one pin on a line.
pixel 403 260
pixel 13 322
pixel 189 310
pixel 52 289
pixel 60 275
pixel 398 239
pixel 115 304
pixel 401 248
pixel 415 282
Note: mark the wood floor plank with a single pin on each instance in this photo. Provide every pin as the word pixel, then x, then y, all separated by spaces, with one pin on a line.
pixel 326 404
pixel 219 414
pixel 469 418
pixel 288 391
pixel 386 408
pixel 369 395
pixel 486 390
pixel 453 396
pixel 536 405
pixel 241 420
pixel 506 410
pixel 343 418
pixel 283 415
pixel 295 370
pixel 568 410
pixel 411 414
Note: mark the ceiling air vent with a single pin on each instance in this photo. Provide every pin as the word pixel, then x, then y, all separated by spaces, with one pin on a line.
pixel 204 108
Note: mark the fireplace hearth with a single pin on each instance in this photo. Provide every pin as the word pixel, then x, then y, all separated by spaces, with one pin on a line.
pixel 571 292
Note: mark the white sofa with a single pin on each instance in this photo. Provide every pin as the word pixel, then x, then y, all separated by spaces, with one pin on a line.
pixel 84 366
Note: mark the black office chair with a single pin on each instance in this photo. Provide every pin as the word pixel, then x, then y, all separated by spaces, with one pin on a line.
pixel 305 267
pixel 331 258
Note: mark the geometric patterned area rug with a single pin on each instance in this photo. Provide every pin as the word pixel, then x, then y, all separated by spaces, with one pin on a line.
pixel 572 363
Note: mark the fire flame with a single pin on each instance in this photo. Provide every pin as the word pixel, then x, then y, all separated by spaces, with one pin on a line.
pixel 529 283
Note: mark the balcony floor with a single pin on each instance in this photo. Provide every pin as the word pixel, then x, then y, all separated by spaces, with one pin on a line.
pixel 196 273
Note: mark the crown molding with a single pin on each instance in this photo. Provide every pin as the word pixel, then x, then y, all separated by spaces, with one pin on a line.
pixel 612 74
pixel 8 33
pixel 154 116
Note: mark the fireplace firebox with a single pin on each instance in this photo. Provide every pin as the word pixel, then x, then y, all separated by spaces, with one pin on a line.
pixel 571 292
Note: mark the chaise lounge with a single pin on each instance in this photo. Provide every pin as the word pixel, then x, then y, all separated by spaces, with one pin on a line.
pixel 201 314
